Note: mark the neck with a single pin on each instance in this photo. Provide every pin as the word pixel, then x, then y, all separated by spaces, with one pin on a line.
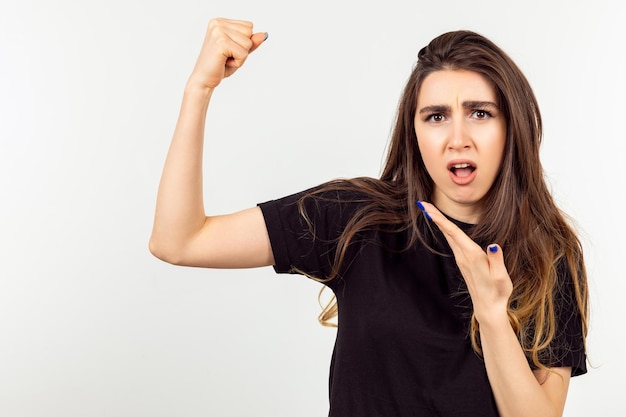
pixel 463 212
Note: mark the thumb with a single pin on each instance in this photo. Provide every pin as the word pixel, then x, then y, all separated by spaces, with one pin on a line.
pixel 257 39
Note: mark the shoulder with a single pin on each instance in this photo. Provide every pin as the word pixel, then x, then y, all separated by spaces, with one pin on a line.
pixel 326 211
pixel 344 196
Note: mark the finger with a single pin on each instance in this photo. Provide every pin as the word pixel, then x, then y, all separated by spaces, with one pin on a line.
pixel 244 44
pixel 222 24
pixel 257 39
pixel 225 41
pixel 453 234
pixel 238 55
pixel 496 260
pixel 240 36
pixel 224 33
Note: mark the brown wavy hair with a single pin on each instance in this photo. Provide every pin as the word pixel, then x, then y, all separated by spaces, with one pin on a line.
pixel 519 211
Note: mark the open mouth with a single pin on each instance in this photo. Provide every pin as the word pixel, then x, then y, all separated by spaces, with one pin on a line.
pixel 462 170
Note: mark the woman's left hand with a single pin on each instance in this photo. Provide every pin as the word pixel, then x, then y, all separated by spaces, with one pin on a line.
pixel 485 274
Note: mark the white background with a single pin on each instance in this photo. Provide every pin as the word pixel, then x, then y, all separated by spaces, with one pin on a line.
pixel 92 325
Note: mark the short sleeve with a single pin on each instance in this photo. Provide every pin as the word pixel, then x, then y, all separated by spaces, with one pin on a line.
pixel 568 346
pixel 306 247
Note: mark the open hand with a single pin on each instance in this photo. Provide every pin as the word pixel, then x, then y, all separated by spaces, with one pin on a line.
pixel 485 273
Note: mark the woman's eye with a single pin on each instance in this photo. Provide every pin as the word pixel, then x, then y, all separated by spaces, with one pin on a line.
pixel 482 114
pixel 437 117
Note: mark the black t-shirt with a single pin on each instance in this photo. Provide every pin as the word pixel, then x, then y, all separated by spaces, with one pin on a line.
pixel 402 346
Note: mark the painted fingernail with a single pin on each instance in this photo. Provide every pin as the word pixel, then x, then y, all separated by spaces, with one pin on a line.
pixel 493 248
pixel 421 206
pixel 267 35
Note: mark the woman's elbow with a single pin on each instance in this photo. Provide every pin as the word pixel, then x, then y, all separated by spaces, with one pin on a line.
pixel 165 251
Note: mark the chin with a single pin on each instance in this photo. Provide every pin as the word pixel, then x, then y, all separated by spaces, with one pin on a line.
pixel 466 200
pixel 462 198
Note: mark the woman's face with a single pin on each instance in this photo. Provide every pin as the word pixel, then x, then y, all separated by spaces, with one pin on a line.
pixel 461 133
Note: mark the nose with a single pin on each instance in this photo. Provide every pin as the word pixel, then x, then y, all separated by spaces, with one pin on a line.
pixel 459 136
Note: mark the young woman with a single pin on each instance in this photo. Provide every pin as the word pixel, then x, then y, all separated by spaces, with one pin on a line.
pixel 481 311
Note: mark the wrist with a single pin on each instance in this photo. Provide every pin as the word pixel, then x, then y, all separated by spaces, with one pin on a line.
pixel 197 90
pixel 494 323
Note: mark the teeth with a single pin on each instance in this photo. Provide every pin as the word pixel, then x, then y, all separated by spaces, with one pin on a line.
pixel 460 166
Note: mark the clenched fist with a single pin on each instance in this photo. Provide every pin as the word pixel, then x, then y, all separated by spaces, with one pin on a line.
pixel 226 47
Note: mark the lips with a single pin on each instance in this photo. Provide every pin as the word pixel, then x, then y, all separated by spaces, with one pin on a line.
pixel 462 172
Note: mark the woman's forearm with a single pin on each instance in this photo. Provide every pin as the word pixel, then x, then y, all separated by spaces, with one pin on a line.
pixel 515 387
pixel 180 207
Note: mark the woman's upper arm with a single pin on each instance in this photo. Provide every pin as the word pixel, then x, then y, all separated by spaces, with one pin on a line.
pixel 237 240
pixel 555 384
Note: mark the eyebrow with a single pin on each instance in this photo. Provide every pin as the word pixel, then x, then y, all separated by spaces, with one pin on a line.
pixel 443 108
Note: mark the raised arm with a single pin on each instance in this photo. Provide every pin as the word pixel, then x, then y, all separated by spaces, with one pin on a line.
pixel 182 233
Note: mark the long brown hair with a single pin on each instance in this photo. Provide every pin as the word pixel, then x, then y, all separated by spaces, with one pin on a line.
pixel 519 212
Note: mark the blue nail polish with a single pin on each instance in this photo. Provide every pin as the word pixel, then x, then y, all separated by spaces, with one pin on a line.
pixel 493 248
pixel 421 206
pixel 267 35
